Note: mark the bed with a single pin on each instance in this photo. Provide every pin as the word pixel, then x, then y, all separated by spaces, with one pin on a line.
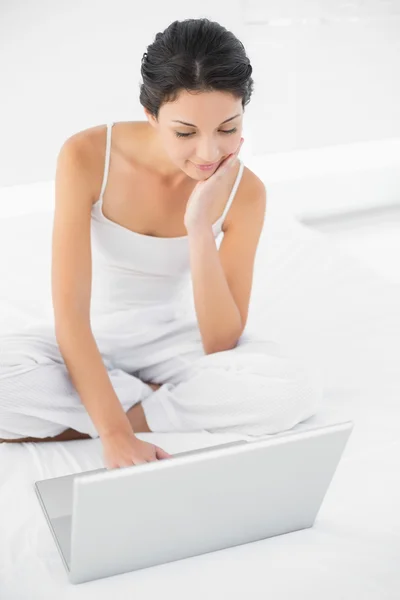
pixel 330 309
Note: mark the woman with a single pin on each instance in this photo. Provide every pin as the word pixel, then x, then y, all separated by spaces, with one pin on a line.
pixel 126 354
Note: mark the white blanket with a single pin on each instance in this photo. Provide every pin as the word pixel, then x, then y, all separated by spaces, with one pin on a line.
pixel 324 305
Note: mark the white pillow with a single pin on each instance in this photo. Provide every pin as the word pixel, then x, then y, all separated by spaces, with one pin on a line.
pixel 25 270
pixel 327 307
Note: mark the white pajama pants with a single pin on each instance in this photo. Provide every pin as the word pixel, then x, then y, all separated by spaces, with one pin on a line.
pixel 253 389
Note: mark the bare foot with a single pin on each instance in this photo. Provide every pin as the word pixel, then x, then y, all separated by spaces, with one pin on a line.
pixel 137 418
pixel 65 436
pixel 155 386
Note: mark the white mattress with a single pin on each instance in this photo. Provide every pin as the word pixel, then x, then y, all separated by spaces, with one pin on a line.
pixel 345 320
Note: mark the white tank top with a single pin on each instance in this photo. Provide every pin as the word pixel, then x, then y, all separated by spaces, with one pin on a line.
pixel 133 270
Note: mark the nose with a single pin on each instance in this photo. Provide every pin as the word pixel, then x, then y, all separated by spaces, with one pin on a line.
pixel 209 152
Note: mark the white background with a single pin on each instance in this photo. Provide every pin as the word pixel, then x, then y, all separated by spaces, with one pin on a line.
pixel 322 128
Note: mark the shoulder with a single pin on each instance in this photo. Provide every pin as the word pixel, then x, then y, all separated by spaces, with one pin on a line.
pixel 88 146
pixel 254 184
pixel 126 139
pixel 250 200
pixel 85 148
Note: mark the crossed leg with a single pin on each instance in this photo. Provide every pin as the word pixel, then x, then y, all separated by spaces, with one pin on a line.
pixel 135 415
pixel 254 389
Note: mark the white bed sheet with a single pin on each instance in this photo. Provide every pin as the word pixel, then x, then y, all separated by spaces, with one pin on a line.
pixel 338 314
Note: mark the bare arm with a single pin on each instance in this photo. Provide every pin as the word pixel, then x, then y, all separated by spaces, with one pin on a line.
pixel 90 378
pixel 71 289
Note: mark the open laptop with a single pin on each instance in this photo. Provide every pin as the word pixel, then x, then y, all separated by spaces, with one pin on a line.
pixel 111 521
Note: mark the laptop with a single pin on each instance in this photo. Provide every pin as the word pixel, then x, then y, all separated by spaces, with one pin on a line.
pixel 111 521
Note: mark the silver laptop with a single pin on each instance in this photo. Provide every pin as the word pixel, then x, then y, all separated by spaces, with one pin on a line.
pixel 111 521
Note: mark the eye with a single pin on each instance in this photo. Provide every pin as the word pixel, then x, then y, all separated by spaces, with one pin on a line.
pixel 188 134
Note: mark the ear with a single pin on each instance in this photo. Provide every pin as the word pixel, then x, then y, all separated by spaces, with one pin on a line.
pixel 150 118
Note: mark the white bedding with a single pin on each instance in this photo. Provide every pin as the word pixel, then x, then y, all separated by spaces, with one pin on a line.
pixel 323 304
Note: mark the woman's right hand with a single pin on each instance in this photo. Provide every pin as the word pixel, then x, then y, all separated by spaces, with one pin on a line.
pixel 123 449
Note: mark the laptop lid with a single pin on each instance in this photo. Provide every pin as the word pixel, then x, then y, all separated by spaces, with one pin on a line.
pixel 55 497
pixel 131 518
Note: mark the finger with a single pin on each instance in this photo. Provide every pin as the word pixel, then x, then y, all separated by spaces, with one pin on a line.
pixel 226 164
pixel 162 453
pixel 230 161
pixel 231 157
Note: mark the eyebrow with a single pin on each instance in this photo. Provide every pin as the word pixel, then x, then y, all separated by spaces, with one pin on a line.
pixel 192 125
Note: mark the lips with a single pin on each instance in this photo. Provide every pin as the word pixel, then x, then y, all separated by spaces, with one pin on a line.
pixel 207 167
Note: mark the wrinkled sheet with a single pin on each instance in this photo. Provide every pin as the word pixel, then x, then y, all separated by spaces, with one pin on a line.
pixel 325 306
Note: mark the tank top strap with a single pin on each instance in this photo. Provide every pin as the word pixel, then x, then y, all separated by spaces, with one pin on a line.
pixel 107 159
pixel 233 191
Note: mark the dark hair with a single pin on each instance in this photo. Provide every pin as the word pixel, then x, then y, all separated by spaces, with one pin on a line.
pixel 194 54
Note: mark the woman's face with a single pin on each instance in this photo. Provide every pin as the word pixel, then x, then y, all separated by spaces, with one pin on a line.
pixel 204 139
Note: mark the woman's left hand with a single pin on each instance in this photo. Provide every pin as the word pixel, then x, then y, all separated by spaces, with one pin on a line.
pixel 199 209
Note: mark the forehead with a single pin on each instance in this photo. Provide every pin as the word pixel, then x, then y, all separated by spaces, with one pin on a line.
pixel 202 107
